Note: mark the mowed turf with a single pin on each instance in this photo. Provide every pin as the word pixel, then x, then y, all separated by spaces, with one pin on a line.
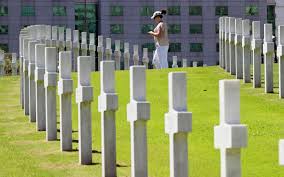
pixel 24 152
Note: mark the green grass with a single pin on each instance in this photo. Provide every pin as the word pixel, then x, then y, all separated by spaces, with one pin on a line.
pixel 24 152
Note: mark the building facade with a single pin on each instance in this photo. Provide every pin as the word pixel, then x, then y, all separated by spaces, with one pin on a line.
pixel 193 24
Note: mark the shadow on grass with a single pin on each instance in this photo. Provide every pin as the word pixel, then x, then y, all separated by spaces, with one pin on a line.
pixel 73 131
pixel 96 152
pixel 122 166
pixel 95 163
pixel 75 141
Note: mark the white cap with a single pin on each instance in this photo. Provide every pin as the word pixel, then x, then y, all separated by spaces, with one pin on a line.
pixel 157 13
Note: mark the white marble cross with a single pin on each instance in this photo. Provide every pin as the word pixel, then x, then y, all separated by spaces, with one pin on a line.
pixel 230 136
pixel 138 113
pixel 178 123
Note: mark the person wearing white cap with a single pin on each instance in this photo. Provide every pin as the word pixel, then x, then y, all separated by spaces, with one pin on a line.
pixel 160 34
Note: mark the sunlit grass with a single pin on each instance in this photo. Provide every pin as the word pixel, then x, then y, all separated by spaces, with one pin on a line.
pixel 24 152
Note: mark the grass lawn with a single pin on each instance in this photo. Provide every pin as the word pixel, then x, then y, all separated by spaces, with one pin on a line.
pixel 24 152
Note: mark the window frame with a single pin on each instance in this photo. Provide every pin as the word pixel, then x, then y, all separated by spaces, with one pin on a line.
pixel 193 50
pixel 197 12
pixel 26 12
pixel 116 13
pixel 195 24
pixel 56 8
pixel 121 26
pixel 171 10
pixel 148 12
pixel 173 46
pixel 219 10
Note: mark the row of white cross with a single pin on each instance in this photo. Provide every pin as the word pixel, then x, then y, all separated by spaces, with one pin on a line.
pixel 237 46
pixel 39 84
pixel 61 38
pixel 238 49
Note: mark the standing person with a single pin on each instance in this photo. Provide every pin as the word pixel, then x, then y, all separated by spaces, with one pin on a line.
pixel 160 34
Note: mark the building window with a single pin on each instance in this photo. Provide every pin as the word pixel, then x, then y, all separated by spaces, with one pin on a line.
pixel 85 17
pixel 252 10
pixel 217 28
pixel 4 29
pixel 195 10
pixel 174 29
pixel 116 29
pixel 116 10
pixel 175 47
pixel 195 29
pixel 4 46
pixel 59 11
pixel 28 11
pixel 146 28
pixel 271 16
pixel 147 11
pixel 150 46
pixel 174 10
pixel 221 10
pixel 3 11
pixel 196 47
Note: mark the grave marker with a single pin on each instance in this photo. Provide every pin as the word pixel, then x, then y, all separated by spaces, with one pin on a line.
pixel 220 43
pixel 280 55
pixel 108 49
pixel 184 63
pixel 39 85
pixel 175 65
pixel 238 49
pixel 50 83
pixel 61 39
pixel 108 104
pixel 65 89
pixel 84 45
pixel 138 113
pixel 68 41
pixel 230 136
pixel 178 123
pixel 223 42
pixel 126 56
pixel 135 54
pixel 100 50
pixel 232 33
pixel 76 49
pixel 256 47
pixel 246 40
pixel 48 41
pixel 14 64
pixel 145 58
pixel 26 75
pixel 268 52
pixel 117 54
pixel 31 75
pixel 84 97
pixel 1 62
pixel 227 44
pixel 92 50
pixel 54 36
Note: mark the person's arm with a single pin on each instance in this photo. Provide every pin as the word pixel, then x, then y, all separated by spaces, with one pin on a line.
pixel 156 34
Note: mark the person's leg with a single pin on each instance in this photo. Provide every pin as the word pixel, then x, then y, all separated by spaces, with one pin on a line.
pixel 156 59
pixel 164 57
